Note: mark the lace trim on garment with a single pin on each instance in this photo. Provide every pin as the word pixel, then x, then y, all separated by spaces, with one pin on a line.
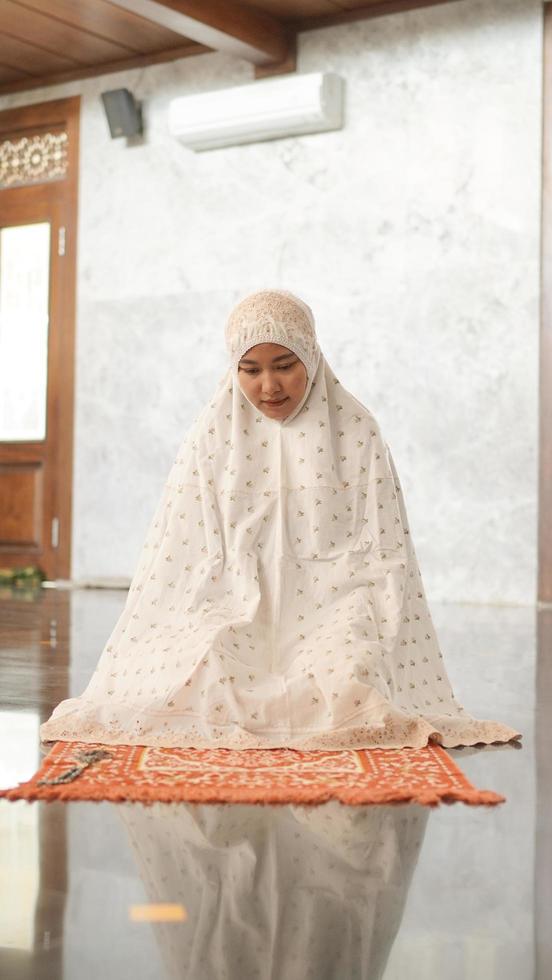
pixel 410 733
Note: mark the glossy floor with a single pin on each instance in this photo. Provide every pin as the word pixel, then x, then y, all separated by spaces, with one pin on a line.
pixel 330 892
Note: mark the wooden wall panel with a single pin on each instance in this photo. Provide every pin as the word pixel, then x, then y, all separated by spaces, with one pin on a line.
pixel 21 502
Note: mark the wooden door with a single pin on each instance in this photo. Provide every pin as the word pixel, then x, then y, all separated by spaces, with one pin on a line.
pixel 38 218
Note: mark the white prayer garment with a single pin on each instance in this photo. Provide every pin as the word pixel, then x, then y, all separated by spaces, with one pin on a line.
pixel 278 599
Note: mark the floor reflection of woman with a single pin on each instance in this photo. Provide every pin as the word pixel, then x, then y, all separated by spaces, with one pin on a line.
pixel 278 599
pixel 282 893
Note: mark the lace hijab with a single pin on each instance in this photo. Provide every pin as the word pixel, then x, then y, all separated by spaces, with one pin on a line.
pixel 278 599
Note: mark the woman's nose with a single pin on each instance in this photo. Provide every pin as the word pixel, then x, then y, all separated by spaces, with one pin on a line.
pixel 270 383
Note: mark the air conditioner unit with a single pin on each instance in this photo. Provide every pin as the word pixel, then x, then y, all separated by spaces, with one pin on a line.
pixel 264 110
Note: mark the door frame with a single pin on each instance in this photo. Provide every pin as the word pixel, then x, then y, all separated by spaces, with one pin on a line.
pixel 62 200
pixel 545 341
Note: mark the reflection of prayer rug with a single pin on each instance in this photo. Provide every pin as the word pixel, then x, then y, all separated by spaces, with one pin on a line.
pixel 79 771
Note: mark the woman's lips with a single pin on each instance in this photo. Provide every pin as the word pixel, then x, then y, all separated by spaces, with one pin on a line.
pixel 280 402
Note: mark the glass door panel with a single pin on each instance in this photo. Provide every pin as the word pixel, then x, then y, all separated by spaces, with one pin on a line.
pixel 24 319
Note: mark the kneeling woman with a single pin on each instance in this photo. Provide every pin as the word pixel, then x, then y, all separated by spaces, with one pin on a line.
pixel 278 600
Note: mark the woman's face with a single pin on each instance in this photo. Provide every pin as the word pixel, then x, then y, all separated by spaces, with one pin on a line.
pixel 273 378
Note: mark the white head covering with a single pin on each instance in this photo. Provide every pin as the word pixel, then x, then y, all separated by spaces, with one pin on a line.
pixel 278 599
pixel 274 316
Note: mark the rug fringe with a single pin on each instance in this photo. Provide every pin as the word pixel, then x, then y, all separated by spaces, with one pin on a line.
pixel 198 794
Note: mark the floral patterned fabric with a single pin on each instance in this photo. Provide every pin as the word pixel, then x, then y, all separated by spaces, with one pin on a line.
pixel 278 600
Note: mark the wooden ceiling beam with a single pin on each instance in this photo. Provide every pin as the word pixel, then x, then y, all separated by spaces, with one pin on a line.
pixel 376 8
pixel 223 25
pixel 105 68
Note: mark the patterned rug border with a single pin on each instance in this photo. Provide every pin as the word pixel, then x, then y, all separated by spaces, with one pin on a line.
pixel 350 788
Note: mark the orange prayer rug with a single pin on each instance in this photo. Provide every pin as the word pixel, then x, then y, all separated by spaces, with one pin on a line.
pixel 81 771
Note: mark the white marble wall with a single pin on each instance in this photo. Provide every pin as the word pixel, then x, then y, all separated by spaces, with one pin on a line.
pixel 413 233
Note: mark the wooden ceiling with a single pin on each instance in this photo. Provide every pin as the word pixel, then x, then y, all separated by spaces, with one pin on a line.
pixel 44 42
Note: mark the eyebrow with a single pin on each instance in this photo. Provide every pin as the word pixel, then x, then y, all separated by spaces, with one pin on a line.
pixel 281 357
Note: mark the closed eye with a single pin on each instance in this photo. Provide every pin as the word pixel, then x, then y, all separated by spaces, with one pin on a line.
pixel 281 367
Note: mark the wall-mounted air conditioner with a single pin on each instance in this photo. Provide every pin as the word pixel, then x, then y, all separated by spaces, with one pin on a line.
pixel 264 110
